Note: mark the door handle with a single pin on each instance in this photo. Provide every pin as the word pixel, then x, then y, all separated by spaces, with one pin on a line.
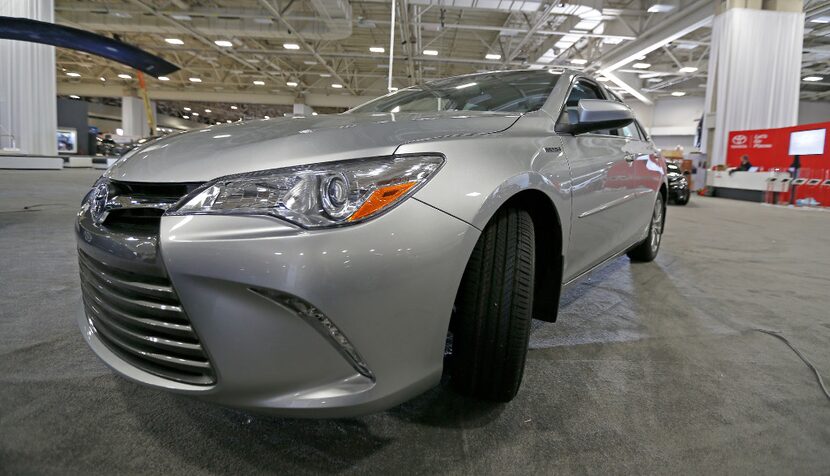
pixel 629 157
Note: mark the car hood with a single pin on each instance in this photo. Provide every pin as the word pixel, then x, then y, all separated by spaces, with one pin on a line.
pixel 216 151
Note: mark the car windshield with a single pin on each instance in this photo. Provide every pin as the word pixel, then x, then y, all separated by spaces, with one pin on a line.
pixel 515 91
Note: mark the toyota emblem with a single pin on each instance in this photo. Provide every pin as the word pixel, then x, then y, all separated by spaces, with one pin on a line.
pixel 98 205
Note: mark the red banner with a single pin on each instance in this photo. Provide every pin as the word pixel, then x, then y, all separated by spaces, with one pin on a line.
pixel 768 149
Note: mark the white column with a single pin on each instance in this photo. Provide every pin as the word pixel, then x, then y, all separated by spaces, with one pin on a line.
pixel 302 110
pixel 28 107
pixel 754 72
pixel 134 118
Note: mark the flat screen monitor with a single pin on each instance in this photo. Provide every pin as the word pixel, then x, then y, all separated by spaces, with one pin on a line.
pixel 67 140
pixel 807 142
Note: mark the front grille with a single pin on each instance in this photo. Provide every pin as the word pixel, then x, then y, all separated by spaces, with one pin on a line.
pixel 143 205
pixel 139 317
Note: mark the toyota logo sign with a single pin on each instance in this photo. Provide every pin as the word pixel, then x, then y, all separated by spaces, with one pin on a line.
pixel 739 139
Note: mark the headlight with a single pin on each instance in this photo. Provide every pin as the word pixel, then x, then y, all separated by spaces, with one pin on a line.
pixel 316 196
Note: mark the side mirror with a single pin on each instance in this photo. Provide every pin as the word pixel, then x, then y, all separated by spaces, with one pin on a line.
pixel 596 115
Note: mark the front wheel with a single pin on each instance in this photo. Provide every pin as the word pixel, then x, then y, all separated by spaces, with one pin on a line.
pixel 491 324
pixel 647 250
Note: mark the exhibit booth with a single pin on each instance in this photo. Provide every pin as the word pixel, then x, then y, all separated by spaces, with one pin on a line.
pixel 789 165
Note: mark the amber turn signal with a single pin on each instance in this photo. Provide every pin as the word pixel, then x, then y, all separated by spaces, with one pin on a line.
pixel 380 199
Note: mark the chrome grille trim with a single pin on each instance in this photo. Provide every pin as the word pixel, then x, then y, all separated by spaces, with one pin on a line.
pixel 140 318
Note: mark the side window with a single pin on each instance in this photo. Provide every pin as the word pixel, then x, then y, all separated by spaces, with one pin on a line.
pixel 580 90
pixel 642 130
pixel 630 131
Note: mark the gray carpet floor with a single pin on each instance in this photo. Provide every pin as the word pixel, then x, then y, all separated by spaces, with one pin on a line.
pixel 652 368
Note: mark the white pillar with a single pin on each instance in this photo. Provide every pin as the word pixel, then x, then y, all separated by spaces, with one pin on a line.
pixel 134 118
pixel 302 110
pixel 28 105
pixel 754 71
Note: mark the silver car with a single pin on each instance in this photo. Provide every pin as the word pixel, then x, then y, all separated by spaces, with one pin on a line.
pixel 339 265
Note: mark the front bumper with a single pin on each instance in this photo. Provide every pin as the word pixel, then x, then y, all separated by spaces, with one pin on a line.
pixel 388 285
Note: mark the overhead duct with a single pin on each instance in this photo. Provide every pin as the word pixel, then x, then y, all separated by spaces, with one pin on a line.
pixel 503 5
pixel 330 20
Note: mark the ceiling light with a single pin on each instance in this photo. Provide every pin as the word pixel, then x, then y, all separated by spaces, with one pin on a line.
pixel 393 89
pixel 602 79
pixel 578 61
pixel 313 113
pixel 612 41
pixel 223 43
pixel 163 78
pixel 186 108
pixel 678 93
pixel 822 19
pixel 207 111
pixel 310 63
pixel 74 75
pixel 377 49
pixel 653 80
pixel 185 117
pixel 640 58
pixel 102 78
pixel 263 21
pixel 266 117
pixel 125 76
pixel 195 114
pixel 492 56
pixel 686 46
pixel 228 121
pixel 74 96
pixel 291 84
pixel 325 75
pixel 648 75
pixel 195 80
pixel 234 108
pixel 430 52
pixel 660 8
pixel 813 78
pixel 336 85
pixel 641 65
pixel 688 69
pixel 181 17
pixel 259 82
pixel 465 85
pixel 291 46
pixel 174 41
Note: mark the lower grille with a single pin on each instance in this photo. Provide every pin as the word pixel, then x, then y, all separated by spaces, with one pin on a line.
pixel 140 318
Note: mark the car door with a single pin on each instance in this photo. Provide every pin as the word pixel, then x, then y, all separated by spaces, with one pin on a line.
pixel 601 207
pixel 644 176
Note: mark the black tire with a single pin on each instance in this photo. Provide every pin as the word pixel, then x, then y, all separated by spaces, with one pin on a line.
pixel 491 323
pixel 684 198
pixel 647 250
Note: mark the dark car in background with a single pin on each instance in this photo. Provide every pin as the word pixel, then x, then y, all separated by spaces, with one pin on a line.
pixel 679 192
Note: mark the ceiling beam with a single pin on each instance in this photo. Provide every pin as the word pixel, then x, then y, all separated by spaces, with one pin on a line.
pixel 540 22
pixel 308 46
pixel 677 25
